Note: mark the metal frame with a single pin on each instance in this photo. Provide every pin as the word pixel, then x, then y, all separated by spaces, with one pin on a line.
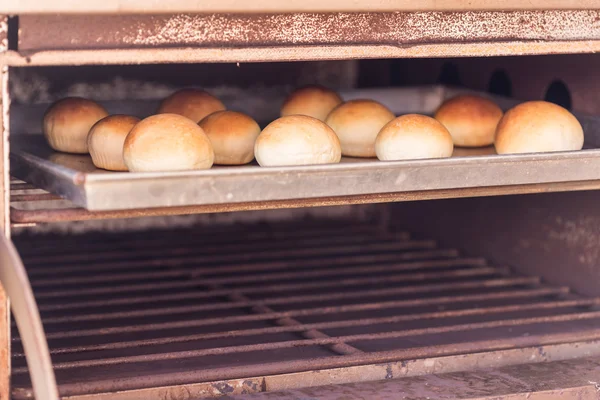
pixel 141 6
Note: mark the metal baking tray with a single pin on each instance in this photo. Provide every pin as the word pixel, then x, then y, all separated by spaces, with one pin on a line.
pixel 74 177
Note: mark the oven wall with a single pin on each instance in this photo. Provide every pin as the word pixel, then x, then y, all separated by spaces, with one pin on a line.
pixel 553 235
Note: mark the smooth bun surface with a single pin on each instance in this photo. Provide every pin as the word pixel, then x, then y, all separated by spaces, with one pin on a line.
pixel 471 120
pixel 313 101
pixel 413 136
pixel 167 142
pixel 357 123
pixel 67 123
pixel 106 140
pixel 232 135
pixel 297 140
pixel 538 126
pixel 194 104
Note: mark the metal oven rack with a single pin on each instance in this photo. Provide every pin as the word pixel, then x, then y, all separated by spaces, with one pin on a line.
pixel 237 309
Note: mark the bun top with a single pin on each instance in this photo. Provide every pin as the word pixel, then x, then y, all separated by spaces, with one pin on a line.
pixel 538 126
pixel 230 124
pixel 314 101
pixel 470 119
pixel 67 122
pixel 194 104
pixel 117 125
pixel 167 142
pixel 357 123
pixel 413 136
pixel 232 135
pixel 297 140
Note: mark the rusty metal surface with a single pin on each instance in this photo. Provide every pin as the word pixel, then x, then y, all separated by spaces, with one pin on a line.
pixel 573 379
pixel 554 230
pixel 62 32
pixel 141 6
pixel 362 373
pixel 205 312
pixel 294 53
pixel 5 334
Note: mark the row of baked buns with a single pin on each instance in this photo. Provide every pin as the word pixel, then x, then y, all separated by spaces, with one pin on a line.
pixel 192 130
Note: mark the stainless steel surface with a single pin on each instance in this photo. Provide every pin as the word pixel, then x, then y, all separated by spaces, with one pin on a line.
pixel 258 301
pixel 14 281
pixel 75 178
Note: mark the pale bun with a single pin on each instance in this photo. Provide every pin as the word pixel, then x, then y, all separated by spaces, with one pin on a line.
pixel 68 121
pixel 538 126
pixel 232 135
pixel 297 140
pixel 357 123
pixel 194 104
pixel 106 140
pixel 470 119
pixel 314 101
pixel 413 136
pixel 167 142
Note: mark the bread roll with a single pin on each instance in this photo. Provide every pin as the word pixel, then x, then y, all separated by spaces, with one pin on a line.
pixel 357 123
pixel 314 101
pixel 471 120
pixel 106 139
pixel 68 121
pixel 194 104
pixel 538 126
pixel 413 136
pixel 297 140
pixel 167 142
pixel 232 135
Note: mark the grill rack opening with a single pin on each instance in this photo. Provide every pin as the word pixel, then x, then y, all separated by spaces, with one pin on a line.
pixel 186 308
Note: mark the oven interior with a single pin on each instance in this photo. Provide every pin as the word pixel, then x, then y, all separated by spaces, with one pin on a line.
pixel 244 302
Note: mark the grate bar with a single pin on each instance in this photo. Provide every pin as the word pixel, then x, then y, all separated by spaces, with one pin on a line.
pixel 16 198
pixel 142 313
pixel 198 282
pixel 317 342
pixel 248 249
pixel 329 325
pixel 22 186
pixel 257 266
pixel 325 272
pixel 340 348
pixel 304 298
pixel 267 254
pixel 297 313
pixel 249 233
pixel 528 344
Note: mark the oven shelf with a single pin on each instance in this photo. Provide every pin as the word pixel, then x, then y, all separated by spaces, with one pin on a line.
pixel 468 173
pixel 235 309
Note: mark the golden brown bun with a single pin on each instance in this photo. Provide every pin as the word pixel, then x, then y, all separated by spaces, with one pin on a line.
pixel 68 121
pixel 313 101
pixel 413 136
pixel 232 135
pixel 538 126
pixel 471 120
pixel 194 104
pixel 357 123
pixel 167 142
pixel 106 139
pixel 297 140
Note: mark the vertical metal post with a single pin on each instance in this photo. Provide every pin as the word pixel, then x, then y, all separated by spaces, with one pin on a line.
pixel 4 217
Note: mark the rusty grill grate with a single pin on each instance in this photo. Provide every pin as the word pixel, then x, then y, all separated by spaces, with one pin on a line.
pixel 160 308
